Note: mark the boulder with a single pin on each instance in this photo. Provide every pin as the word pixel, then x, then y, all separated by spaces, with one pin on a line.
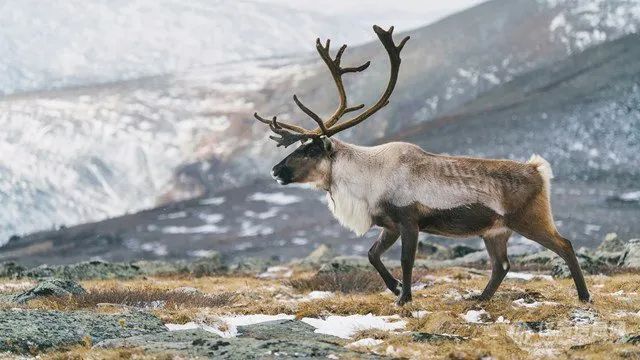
pixel 11 270
pixel 284 339
pixel 611 243
pixel 588 264
pixel 344 264
pixel 317 257
pixel 252 265
pixel 31 331
pixel 542 258
pixel 631 255
pixel 431 250
pixel 50 287
pixel 431 337
pixel 86 270
pixel 207 266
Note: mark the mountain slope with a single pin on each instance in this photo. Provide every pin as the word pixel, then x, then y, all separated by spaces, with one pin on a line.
pixel 582 114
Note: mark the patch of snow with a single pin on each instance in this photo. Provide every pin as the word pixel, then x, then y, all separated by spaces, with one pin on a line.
pixel 345 326
pixel 211 218
pixel 278 198
pixel 476 316
pixel 248 228
pixel 630 196
pixel 203 229
pixel 263 215
pixel 502 320
pixel 299 241
pixel 366 342
pixel 175 215
pixel 156 248
pixel 419 314
pixel 229 324
pixel 318 295
pixel 276 272
pixel 528 276
pixel 212 201
pixel 532 304
pixel 201 253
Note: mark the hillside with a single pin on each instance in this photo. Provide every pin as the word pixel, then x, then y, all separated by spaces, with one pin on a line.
pixel 166 138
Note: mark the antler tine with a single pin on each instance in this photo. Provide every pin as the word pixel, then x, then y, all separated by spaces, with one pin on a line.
pixel 336 73
pixel 286 137
pixel 311 114
pixel 295 128
pixel 386 38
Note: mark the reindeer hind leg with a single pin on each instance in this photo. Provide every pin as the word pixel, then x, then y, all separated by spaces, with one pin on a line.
pixel 496 244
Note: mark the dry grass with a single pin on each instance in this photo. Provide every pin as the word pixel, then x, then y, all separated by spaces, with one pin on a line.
pixel 616 312
pixel 87 353
pixel 357 281
pixel 141 298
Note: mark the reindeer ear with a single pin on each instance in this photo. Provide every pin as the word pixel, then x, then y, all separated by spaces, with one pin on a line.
pixel 326 143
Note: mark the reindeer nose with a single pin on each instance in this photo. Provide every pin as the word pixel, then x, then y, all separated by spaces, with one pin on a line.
pixel 281 174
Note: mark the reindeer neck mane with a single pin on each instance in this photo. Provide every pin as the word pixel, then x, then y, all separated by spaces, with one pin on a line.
pixel 351 194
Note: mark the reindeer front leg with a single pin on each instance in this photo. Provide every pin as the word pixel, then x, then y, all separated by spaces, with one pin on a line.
pixel 409 235
pixel 385 240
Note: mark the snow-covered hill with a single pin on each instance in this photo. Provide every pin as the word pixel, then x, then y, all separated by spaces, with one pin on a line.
pixel 49 44
pixel 92 152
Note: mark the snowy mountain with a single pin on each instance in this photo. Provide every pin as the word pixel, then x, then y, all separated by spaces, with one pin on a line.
pixel 133 144
pixel 56 44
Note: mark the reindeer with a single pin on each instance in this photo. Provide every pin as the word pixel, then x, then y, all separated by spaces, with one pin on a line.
pixel 405 190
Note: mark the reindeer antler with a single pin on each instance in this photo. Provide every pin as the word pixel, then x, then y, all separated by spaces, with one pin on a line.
pixel 289 134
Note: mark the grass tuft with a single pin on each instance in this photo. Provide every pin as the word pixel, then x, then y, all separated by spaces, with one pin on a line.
pixel 352 282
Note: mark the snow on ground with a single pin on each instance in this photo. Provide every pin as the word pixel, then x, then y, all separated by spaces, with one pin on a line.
pixel 317 295
pixel 532 304
pixel 202 229
pixel 366 342
pixel 278 198
pixel 527 276
pixel 228 325
pixel 476 316
pixel 345 326
pixel 212 201
pixel 276 272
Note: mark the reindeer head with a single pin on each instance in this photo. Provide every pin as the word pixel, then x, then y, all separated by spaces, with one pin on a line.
pixel 311 162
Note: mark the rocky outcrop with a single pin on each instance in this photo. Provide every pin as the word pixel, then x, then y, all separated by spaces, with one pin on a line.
pixel 86 270
pixel 50 287
pixel 31 331
pixel 631 255
pixel 283 339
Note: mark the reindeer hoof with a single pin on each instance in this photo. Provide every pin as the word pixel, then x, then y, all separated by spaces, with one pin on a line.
pixel 397 290
pixel 403 299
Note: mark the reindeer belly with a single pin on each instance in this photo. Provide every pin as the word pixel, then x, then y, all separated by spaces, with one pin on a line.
pixel 465 220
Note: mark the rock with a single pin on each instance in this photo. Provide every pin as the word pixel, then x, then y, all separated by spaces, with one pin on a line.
pixel 206 266
pixel 346 264
pixel 158 267
pixel 284 339
pixel 430 337
pixel 252 265
pixel 631 255
pixel 458 251
pixel 588 264
pixel 50 287
pixel 611 243
pixel 540 258
pixel 583 316
pixel 29 331
pixel 630 339
pixel 533 326
pixel 11 270
pixel 319 256
pixel 87 270
pixel 431 250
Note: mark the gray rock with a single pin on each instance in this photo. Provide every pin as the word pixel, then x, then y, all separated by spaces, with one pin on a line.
pixel 431 250
pixel 350 263
pixel 86 270
pixel 50 287
pixel 11 270
pixel 284 339
pixel 158 267
pixel 611 244
pixel 534 326
pixel 252 265
pixel 541 258
pixel 631 256
pixel 29 331
pixel 206 266
pixel 630 339
pixel 431 337
pixel 317 257
pixel 588 264
pixel 459 251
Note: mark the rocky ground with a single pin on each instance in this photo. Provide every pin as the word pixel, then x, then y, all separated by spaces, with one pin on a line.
pixel 322 306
